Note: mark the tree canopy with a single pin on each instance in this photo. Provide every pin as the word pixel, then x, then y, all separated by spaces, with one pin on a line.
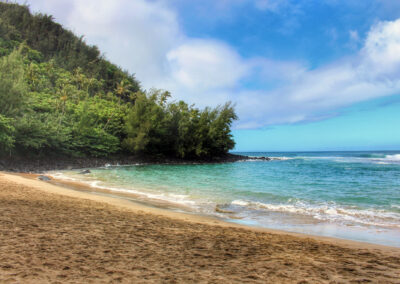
pixel 59 95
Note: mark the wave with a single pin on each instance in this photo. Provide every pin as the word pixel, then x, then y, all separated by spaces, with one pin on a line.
pixel 179 199
pixel 282 158
pixel 329 212
pixel 375 158
pixel 325 211
pixel 265 158
pixel 382 159
pixel 387 159
pixel 395 157
pixel 371 155
pixel 61 176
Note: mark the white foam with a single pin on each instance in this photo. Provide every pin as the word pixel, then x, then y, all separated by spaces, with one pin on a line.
pixel 173 198
pixel 393 157
pixel 258 158
pixel 330 212
pixel 169 197
pixel 62 176
pixel 388 159
pixel 282 158
pixel 384 160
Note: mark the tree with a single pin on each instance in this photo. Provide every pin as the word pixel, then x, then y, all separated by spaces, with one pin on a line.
pixel 145 125
pixel 6 134
pixel 59 95
pixel 13 88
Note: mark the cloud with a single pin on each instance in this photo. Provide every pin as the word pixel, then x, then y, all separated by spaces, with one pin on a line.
pixel 382 52
pixel 374 72
pixel 270 5
pixel 273 6
pixel 354 40
pixel 206 72
pixel 206 64
pixel 136 35
pixel 354 35
pixel 146 37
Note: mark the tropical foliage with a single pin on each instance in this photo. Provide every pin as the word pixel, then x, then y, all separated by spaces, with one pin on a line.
pixel 59 95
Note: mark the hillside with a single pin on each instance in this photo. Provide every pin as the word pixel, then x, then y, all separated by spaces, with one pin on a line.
pixel 59 95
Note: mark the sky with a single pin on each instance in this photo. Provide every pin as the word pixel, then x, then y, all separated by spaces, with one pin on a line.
pixel 304 74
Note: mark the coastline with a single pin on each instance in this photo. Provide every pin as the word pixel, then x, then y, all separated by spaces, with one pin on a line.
pixel 129 202
pixel 174 196
pixel 32 164
pixel 214 248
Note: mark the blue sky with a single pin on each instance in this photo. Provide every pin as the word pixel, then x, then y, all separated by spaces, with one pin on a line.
pixel 305 74
pixel 362 127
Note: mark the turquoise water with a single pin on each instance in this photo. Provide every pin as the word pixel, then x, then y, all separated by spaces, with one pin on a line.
pixel 352 195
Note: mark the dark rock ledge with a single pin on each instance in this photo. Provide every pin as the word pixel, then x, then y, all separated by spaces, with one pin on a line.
pixel 48 163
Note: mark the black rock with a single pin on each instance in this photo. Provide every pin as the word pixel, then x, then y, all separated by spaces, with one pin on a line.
pixel 264 158
pixel 85 172
pixel 44 178
pixel 40 165
pixel 260 158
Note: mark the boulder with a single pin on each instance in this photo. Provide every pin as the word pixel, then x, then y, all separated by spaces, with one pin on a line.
pixel 44 178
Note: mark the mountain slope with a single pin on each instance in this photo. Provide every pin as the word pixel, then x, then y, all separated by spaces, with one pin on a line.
pixel 59 95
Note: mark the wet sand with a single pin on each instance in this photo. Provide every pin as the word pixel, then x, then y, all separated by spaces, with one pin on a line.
pixel 51 234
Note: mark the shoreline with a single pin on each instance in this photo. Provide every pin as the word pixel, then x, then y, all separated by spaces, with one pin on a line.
pixel 50 233
pixel 30 164
pixel 163 208
pixel 360 235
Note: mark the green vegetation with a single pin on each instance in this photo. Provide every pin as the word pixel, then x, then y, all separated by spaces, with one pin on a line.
pixel 59 95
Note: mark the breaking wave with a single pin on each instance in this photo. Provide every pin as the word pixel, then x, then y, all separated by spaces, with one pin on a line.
pixel 329 212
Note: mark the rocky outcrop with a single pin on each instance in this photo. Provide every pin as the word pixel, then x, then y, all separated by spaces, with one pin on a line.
pixel 47 163
pixel 44 178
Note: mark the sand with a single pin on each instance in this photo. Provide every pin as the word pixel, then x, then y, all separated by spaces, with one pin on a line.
pixel 51 234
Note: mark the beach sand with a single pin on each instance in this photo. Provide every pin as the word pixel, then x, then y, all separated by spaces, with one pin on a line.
pixel 51 234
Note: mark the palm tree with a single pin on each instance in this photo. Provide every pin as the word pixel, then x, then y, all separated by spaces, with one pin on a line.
pixel 122 89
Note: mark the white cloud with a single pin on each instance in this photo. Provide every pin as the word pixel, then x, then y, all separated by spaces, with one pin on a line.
pixel 382 51
pixel 136 35
pixel 270 5
pixel 354 35
pixel 354 40
pixel 374 72
pixel 206 64
pixel 145 37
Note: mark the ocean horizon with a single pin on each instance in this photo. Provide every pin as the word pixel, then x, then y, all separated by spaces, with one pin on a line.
pixel 344 194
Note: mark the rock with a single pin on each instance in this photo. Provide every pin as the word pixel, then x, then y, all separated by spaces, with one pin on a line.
pixel 44 178
pixel 219 210
pixel 265 158
pixel 260 158
pixel 85 172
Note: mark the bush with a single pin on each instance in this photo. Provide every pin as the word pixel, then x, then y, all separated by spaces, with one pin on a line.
pixel 6 134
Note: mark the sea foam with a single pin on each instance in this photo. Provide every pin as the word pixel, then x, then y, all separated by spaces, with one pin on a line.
pixel 329 212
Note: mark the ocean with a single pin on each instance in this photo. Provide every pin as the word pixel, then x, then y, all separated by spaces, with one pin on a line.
pixel 349 195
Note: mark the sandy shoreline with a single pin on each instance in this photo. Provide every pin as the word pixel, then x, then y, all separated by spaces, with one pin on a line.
pixel 50 233
pixel 138 199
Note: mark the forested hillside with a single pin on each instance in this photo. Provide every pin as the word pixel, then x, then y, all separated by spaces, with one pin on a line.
pixel 59 95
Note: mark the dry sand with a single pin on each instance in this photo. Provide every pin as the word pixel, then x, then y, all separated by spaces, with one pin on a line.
pixel 52 234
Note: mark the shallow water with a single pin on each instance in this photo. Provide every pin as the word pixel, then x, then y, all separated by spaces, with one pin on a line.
pixel 351 195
